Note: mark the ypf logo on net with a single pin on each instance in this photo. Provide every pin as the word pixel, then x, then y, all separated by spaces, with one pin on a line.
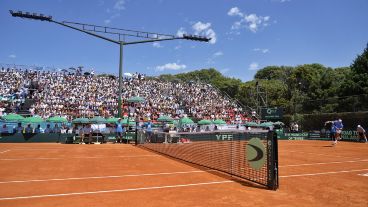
pixel 256 153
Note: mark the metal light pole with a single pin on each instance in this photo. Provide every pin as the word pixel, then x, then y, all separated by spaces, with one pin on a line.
pixel 121 33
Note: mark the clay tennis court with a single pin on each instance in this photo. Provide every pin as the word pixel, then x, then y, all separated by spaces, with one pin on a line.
pixel 312 173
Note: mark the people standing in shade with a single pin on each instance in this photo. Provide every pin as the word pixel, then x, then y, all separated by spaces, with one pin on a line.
pixel 19 128
pixel 339 126
pixel 57 129
pixel 81 134
pixel 48 129
pixel 4 130
pixel 37 129
pixel 88 133
pixel 28 129
pixel 119 131
pixel 361 134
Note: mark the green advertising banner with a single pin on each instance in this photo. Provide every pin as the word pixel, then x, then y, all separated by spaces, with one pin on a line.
pixel 272 113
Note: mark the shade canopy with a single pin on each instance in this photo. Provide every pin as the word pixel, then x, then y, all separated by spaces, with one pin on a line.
pixel 57 119
pixel 13 117
pixel 219 121
pixel 165 119
pixel 81 121
pixel 266 124
pixel 112 120
pixel 251 124
pixel 186 120
pixel 205 122
pixel 98 120
pixel 33 119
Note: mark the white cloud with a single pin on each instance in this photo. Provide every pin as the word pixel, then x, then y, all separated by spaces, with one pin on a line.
pixel 234 12
pixel 217 54
pixel 12 56
pixel 107 21
pixel 119 5
pixel 206 30
pixel 181 31
pixel 253 66
pixel 252 21
pixel 265 50
pixel 170 66
pixel 157 45
pixel 200 27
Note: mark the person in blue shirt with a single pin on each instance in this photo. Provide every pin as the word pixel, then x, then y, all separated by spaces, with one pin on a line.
pixel 333 132
pixel 149 131
pixel 19 128
pixel 28 129
pixel 339 126
pixel 37 130
pixel 119 131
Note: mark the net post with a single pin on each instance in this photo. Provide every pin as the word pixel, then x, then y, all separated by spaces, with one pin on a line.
pixel 273 174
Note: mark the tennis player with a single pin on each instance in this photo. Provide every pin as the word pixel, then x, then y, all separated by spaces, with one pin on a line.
pixel 339 126
pixel 333 133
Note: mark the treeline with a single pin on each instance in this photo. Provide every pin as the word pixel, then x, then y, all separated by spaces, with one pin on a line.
pixel 304 89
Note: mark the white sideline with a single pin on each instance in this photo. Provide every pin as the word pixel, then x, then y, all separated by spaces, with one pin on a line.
pixel 323 163
pixel 323 173
pixel 103 177
pixel 114 191
pixel 61 158
pixel 4 151
pixel 327 155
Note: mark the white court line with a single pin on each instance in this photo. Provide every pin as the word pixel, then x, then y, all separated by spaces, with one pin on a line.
pixel 34 149
pixel 104 177
pixel 114 191
pixel 328 155
pixel 323 163
pixel 4 151
pixel 323 173
pixel 86 157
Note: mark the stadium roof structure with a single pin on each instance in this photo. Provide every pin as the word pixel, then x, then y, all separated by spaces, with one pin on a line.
pixel 121 36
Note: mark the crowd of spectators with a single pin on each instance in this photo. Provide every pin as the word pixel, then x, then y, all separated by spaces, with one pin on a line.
pixel 76 94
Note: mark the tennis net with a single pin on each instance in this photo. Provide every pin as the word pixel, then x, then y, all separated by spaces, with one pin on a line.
pixel 247 155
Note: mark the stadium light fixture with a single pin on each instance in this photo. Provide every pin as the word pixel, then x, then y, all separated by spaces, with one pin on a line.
pixel 28 15
pixel 95 29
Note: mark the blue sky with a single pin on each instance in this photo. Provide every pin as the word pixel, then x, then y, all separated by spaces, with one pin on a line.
pixel 247 34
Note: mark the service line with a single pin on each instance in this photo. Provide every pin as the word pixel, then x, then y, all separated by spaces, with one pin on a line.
pixel 86 157
pixel 114 191
pixel 105 177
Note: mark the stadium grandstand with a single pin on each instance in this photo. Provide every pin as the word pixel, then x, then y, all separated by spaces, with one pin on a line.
pixel 73 93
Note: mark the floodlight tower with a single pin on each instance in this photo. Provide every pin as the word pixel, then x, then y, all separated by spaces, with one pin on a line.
pixel 122 34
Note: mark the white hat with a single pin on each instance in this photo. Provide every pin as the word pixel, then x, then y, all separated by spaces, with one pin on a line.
pixel 359 126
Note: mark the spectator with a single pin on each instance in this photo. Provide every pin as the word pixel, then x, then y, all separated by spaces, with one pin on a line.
pixel 28 129
pixel 48 129
pixel 37 130
pixel 361 133
pixel 4 129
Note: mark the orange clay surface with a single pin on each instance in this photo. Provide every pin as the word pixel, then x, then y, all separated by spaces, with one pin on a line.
pixel 312 173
